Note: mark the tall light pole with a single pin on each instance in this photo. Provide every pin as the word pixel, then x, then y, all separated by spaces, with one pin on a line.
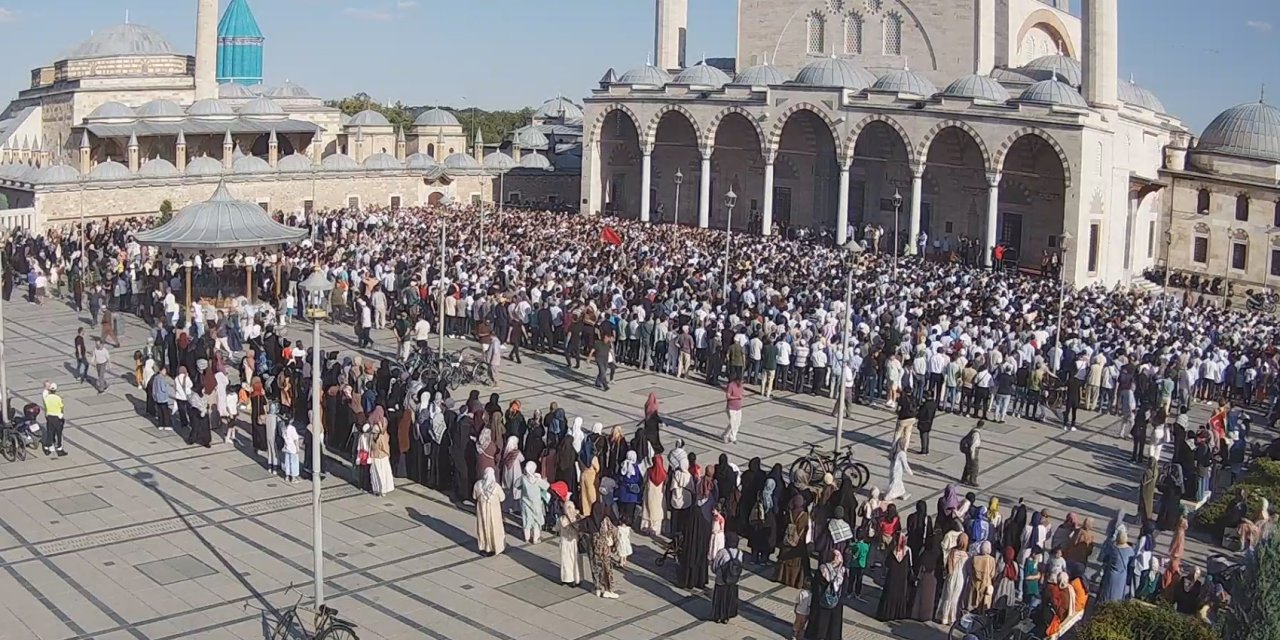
pixel 730 200
pixel 897 210
pixel 1168 263
pixel 440 338
pixel 1064 245
pixel 317 287
pixel 679 180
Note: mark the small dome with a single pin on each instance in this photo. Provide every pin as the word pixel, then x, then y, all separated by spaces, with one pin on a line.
pixel 905 81
pixel 19 172
pixel 1062 67
pixel 530 138
pixel 235 91
pixel 382 162
pixel 57 174
pixel 558 108
pixel 123 40
pixel 251 164
pixel 702 75
pixel 498 161
pixel 260 107
pixel 287 90
pixel 1053 92
pixel 436 118
pixel 339 162
pixel 761 75
pixel 110 170
pixel 647 76
pixel 210 108
pixel 1250 130
pixel 1133 94
pixel 204 166
pixel 1012 76
pixel 535 161
pixel 160 109
pixel 294 163
pixel 157 168
pixel 369 118
pixel 112 111
pixel 834 73
pixel 460 161
pixel 420 161
pixel 977 87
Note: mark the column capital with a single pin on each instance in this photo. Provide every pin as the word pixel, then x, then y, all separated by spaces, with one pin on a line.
pixel 706 152
pixel 917 170
pixel 770 156
pixel 993 179
pixel 646 146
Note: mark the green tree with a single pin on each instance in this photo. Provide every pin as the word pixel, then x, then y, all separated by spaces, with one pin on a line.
pixel 4 201
pixel 494 125
pixel 1254 613
pixel 166 211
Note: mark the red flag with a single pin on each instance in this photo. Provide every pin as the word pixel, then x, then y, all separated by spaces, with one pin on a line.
pixel 611 237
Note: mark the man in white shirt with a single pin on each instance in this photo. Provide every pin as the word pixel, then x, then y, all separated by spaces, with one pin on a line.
pixel 422 334
pixel 100 360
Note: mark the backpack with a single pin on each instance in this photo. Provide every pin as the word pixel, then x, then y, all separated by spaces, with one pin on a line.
pixel 966 443
pixel 680 495
pixel 757 513
pixel 793 535
pixel 830 596
pixel 731 571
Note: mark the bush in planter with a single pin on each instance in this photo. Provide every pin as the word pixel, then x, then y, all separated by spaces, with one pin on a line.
pixel 1133 620
pixel 1254 613
pixel 1261 481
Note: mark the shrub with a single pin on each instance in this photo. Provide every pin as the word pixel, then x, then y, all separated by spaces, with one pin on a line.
pixel 1133 620
pixel 1261 481
pixel 1254 613
pixel 166 211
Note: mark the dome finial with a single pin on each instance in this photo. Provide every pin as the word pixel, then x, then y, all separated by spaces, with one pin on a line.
pixel 126 16
pixel 1262 94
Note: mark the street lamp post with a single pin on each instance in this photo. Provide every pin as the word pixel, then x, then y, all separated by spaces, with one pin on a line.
pixel 316 289
pixel 730 200
pixel 846 330
pixel 1064 245
pixel 441 315
pixel 676 214
pixel 1168 263
pixel 897 210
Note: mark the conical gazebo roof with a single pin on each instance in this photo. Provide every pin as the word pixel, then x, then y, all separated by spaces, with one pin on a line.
pixel 220 223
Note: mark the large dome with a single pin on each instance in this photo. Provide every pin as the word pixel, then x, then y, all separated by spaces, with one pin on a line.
pixel 436 118
pixel 558 107
pixel 1053 92
pixel 703 75
pixel 834 73
pixel 647 76
pixel 530 138
pixel 124 40
pixel 369 118
pixel 761 75
pixel 1250 130
pixel 1065 68
pixel 907 82
pixel 977 87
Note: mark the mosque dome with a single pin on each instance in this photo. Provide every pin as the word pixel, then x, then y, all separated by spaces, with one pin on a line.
pixel 420 161
pixel 977 87
pixel 905 81
pixel 436 118
pixel 339 162
pixel 159 108
pixel 287 90
pixel 294 163
pixel 1250 130
pixel 369 118
pixel 535 161
pixel 558 107
pixel 646 76
pixel 204 166
pixel 460 161
pixel 1134 94
pixel 110 170
pixel 112 111
pixel 123 40
pixel 382 162
pixel 261 107
pixel 761 75
pixel 530 138
pixel 1065 68
pixel 1012 76
pixel 702 75
pixel 210 108
pixel 834 73
pixel 250 164
pixel 157 168
pixel 57 174
pixel 1053 92
pixel 19 172
pixel 499 161
pixel 235 91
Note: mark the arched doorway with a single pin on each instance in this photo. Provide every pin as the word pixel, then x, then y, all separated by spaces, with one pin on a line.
pixel 811 178
pixel 881 167
pixel 953 207
pixel 435 198
pixel 1032 202
pixel 262 145
pixel 675 150
pixel 620 150
pixel 736 162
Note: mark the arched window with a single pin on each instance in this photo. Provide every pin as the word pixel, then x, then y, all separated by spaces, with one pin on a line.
pixel 1275 222
pixel 1242 208
pixel 431 150
pixel 893 35
pixel 853 34
pixel 1202 202
pixel 817 33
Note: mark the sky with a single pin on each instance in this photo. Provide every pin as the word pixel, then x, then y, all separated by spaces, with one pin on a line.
pixel 1198 56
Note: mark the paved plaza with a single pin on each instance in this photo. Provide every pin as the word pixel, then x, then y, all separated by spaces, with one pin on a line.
pixel 136 535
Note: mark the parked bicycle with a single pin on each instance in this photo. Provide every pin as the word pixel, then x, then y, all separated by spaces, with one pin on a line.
pixel 327 626
pixel 810 467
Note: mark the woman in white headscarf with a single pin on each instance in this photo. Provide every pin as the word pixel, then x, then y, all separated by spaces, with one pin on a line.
pixel 488 495
pixel 512 463
pixel 533 489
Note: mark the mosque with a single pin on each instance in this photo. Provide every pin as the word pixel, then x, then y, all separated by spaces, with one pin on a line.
pixel 125 122
pixel 1003 121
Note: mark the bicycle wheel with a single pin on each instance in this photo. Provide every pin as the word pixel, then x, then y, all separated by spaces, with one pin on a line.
pixel 18 448
pixel 860 473
pixel 9 448
pixel 338 631
pixel 804 470
pixel 967 624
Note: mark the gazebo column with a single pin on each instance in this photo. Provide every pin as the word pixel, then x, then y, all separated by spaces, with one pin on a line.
pixel 766 221
pixel 704 191
pixel 917 188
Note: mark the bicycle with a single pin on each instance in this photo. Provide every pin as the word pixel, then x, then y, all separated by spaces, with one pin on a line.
pixel 328 626
pixel 980 625
pixel 11 446
pixel 813 465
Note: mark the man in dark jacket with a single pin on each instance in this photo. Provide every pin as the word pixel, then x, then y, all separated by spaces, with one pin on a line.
pixel 924 422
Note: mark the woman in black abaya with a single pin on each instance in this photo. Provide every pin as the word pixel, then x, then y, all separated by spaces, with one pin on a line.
pixel 696 537
pixel 929 565
pixel 895 598
pixel 826 614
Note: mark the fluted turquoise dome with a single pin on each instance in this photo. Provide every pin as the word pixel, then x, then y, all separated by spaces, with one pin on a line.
pixel 239 45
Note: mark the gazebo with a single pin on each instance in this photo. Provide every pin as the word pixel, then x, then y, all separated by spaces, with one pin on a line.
pixel 220 224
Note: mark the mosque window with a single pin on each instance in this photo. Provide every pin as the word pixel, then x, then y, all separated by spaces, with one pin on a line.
pixel 817 33
pixel 1200 250
pixel 431 150
pixel 1202 202
pixel 1095 232
pixel 1239 255
pixel 1242 208
pixel 1275 217
pixel 395 202
pixel 893 35
pixel 353 202
pixel 853 34
pixel 308 206
pixel 1275 263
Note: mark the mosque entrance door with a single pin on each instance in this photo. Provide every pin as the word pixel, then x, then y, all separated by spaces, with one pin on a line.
pixel 1011 232
pixel 782 205
pixel 435 198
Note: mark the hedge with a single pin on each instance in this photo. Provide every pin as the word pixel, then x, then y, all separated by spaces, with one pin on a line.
pixel 1134 620
pixel 1262 480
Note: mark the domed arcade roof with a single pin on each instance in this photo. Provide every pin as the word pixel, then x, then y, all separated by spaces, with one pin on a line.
pixel 1053 92
pixel 905 81
pixel 287 90
pixel 460 161
pixel 57 174
pixel 110 170
pixel 499 161
pixel 1132 93
pixel 761 75
pixel 112 111
pixel 558 107
pixel 160 109
pixel 235 91
pixel 210 108
pixel 1250 130
pixel 977 87
pixel 123 40
pixel 369 118
pixel 294 163
pixel 158 168
pixel 436 118
pixel 251 164
pixel 420 161
pixel 834 73
pixel 530 138
pixel 204 166
pixel 1066 68
pixel 702 75
pixel 648 76
pixel 382 162
pixel 260 107
pixel 535 161
pixel 339 162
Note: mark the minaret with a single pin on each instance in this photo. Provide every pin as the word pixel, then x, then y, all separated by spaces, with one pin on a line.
pixel 228 146
pixel 515 150
pixel 206 49
pixel 133 151
pixel 1101 52
pixel 37 155
pixel 85 153
pixel 670 34
pixel 401 144
pixel 273 149
pixel 359 155
pixel 180 152
pixel 317 147
pixel 479 146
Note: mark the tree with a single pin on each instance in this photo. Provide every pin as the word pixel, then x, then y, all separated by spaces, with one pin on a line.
pixel 494 125
pixel 166 211
pixel 4 201
pixel 1254 613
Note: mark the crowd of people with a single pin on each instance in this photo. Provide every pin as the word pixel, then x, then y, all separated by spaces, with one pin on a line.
pixel 941 337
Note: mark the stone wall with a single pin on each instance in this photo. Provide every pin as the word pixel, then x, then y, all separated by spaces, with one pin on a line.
pixel 537 186
pixel 124 66
pixel 1219 229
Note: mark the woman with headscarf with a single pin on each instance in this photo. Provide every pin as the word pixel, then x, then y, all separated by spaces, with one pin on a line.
pixel 473 402
pixel 1060 598
pixel 488 495
pixel 948 503
pixel 979 527
pixel 727 490
pixel 919 529
pixel 982 575
pixel 955 566
pixel 630 489
pixel 653 512
pixel 696 537
pixel 899 469
pixel 383 481
pixel 567 460
pixel 533 443
pixel 644 454
pixel 1008 580
pixel 1062 535
pixel 486 452
pixel 510 472
pixel 1147 493
pixel 1115 567
pixel 682 492
pixel 727 566
pixel 613 451
pixel 516 423
pixel 826 611
pixel 793 549
pixel 895 598
pixel 928 569
pixel 1079 546
pixel 751 512
pixel 764 535
pixel 997 521
pixel 1036 534
pixel 1011 534
pixel 603 537
pixel 567 528
pixel 533 502
pixel 651 425
pixel 1178 545
pixel 589 489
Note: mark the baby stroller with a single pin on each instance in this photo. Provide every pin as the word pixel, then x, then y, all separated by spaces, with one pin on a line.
pixel 670 550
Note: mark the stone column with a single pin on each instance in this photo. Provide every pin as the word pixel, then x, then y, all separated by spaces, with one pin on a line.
pixel 273 149
pixel 766 219
pixel 917 186
pixel 704 191
pixel 180 152
pixel 842 210
pixel 993 214
pixel 133 151
pixel 646 178
pixel 592 180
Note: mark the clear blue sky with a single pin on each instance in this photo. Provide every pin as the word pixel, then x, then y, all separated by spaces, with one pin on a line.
pixel 1198 56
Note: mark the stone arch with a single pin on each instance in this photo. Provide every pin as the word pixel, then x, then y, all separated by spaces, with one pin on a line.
pixel 779 123
pixel 851 142
pixel 714 127
pixel 600 118
pixel 1048 139
pixel 1048 21
pixel 650 133
pixel 927 141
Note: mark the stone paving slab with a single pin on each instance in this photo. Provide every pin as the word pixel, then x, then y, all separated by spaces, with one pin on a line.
pixel 76 504
pixel 174 570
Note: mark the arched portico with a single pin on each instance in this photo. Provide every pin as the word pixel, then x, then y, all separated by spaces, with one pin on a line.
pixel 1030 189
pixel 675 148
pixel 739 164
pixel 808 195
pixel 621 157
pixel 882 166
pixel 958 162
